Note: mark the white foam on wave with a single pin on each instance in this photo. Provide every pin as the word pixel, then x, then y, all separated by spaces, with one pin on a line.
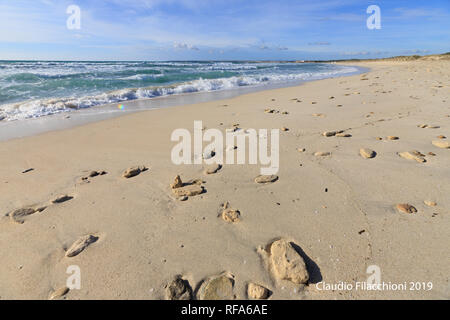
pixel 44 107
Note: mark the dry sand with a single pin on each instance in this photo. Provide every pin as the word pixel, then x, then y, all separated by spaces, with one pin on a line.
pixel 131 237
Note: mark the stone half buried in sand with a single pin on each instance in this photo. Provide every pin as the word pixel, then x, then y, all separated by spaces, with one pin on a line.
pixel 430 203
pixel 329 133
pixel 209 155
pixel 217 288
pixel 190 189
pixel 59 293
pixel 343 135
pixel 442 144
pixel 134 171
pixel 62 199
pixel 177 183
pixel 406 208
pixel 286 262
pixel 322 154
pixel 80 245
pixel 263 179
pixel 367 153
pixel 229 214
pixel 93 174
pixel 178 289
pixel 257 292
pixel 212 169
pixel 333 133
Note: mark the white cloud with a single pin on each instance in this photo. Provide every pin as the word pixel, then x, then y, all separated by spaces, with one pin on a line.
pixel 185 46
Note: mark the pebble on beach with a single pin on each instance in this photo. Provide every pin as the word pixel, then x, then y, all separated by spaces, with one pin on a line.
pixel 287 263
pixel 367 153
pixel 406 208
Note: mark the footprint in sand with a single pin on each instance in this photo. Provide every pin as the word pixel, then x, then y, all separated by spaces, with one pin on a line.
pixel 134 171
pixel 179 289
pixel 80 245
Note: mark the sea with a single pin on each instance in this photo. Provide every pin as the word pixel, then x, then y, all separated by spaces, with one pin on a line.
pixel 34 89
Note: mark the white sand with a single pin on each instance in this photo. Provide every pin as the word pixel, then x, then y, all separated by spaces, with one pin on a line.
pixel 146 237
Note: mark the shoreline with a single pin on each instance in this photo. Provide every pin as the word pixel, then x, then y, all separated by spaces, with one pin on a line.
pixel 64 120
pixel 340 209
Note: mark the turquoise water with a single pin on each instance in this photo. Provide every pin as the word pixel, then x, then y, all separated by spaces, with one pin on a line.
pixel 30 89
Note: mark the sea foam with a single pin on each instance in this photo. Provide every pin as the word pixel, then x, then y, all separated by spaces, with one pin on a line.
pixel 249 75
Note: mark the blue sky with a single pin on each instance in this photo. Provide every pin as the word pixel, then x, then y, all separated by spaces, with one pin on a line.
pixel 221 29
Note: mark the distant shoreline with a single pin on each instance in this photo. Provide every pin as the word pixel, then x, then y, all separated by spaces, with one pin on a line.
pixel 442 56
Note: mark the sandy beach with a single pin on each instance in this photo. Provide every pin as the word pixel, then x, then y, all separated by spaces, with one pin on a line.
pixel 363 180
